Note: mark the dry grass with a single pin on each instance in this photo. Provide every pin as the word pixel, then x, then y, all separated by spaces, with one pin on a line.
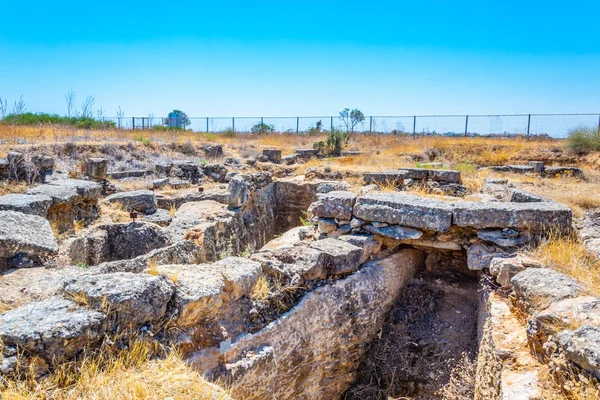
pixel 261 290
pixel 131 374
pixel 115 211
pixel 7 187
pixel 568 255
pixel 462 380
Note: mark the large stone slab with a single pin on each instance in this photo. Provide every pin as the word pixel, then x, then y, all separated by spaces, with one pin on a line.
pixel 135 200
pixel 23 233
pixel 406 210
pixel 131 299
pixel 535 216
pixel 26 204
pixel 336 204
pixel 582 347
pixel 198 292
pixel 339 257
pixel 68 191
pixel 314 350
pixel 394 177
pixel 239 274
pixel 537 288
pixel 394 232
pixel 56 329
pixel 195 214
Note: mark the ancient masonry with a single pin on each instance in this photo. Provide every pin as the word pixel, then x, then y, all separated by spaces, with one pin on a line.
pixel 346 271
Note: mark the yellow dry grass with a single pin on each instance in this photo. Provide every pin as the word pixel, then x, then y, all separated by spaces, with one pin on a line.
pixel 568 255
pixel 261 289
pixel 115 211
pixel 132 374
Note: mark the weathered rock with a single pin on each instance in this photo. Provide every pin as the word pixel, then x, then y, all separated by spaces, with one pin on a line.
pixel 506 237
pixel 240 275
pixel 538 166
pixel 567 313
pixel 135 200
pixel 272 363
pixel 135 173
pixel 23 233
pixel 535 216
pixel 405 210
pixel 520 196
pixel 332 186
pixel 418 174
pixel 392 178
pixel 288 160
pixel 505 268
pixel 161 217
pixel 198 292
pixel 537 288
pixel 56 329
pixel 239 191
pixel 340 257
pixel 333 205
pixel 307 153
pixel 444 175
pixel 517 169
pixel 293 262
pixel 160 183
pixel 26 204
pixel 479 256
pixel 571 171
pixel 326 225
pixel 68 191
pixel 96 168
pixel 213 150
pixel 112 242
pixel 291 237
pixel 394 232
pixel 273 155
pixel 131 299
pixel 582 347
pixel 179 184
pixel 367 243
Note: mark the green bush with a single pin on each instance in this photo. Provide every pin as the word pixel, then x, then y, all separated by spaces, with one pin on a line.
pixel 584 140
pixel 164 128
pixel 336 141
pixel 262 128
pixel 43 118
pixel 229 132
pixel 315 130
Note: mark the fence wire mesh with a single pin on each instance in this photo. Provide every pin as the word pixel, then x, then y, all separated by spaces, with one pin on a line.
pixel 553 125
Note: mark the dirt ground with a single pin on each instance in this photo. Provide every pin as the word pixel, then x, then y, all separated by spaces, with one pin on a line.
pixel 432 324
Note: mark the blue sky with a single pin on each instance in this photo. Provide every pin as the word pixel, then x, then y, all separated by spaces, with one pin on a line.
pixel 303 58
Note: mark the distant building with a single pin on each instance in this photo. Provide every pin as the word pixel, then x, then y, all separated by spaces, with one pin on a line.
pixel 174 120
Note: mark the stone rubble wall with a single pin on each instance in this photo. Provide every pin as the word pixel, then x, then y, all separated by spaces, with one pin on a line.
pixel 482 229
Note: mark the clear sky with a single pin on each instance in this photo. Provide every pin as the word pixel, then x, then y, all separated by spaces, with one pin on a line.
pixel 278 58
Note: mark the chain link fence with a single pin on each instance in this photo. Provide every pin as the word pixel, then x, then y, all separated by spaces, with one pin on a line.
pixel 552 125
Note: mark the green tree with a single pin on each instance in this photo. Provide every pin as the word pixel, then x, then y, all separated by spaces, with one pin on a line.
pixel 261 127
pixel 351 118
pixel 315 130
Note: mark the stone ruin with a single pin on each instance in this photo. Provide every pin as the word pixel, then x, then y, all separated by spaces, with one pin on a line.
pixel 333 284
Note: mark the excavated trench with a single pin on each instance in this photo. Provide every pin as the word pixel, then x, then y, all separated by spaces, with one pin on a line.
pixel 430 331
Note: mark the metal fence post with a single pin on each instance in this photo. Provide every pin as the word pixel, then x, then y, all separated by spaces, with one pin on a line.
pixel 233 123
pixel 415 127
pixel 370 124
pixel 207 131
pixel 297 125
pixel 528 124
pixel 598 123
pixel 262 121
pixel 467 126
pixel 133 123
pixel 332 124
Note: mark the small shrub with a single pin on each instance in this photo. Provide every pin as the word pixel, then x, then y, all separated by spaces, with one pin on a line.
pixel 584 140
pixel 229 132
pixel 315 130
pixel 336 142
pixel 262 128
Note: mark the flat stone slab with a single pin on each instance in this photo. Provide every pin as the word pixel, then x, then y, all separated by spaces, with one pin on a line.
pixel 573 171
pixel 136 298
pixel 340 257
pixel 336 204
pixel 68 190
pixel 138 200
pixel 138 173
pixel 394 232
pixel 55 328
pixel 395 178
pixel 37 204
pixel 444 175
pixel 538 288
pixel 517 169
pixel 406 210
pixel 582 347
pixel 161 217
pixel 23 233
pixel 536 216
pixel 521 196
